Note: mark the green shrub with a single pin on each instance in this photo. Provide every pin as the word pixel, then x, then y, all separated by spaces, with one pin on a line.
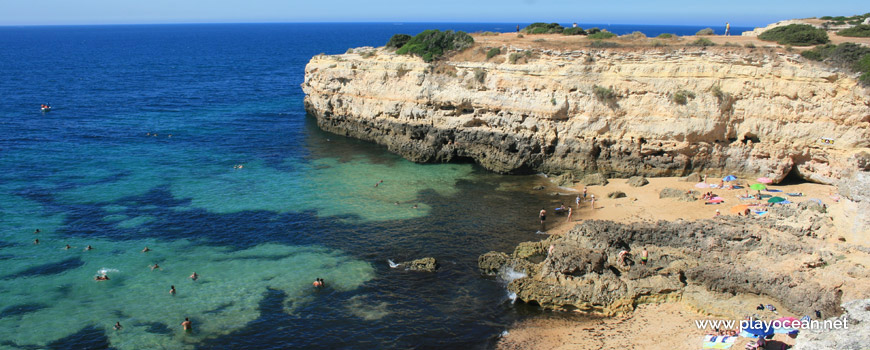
pixel 398 40
pixel 600 44
pixel 513 58
pixel 543 28
pixel 432 44
pixel 553 101
pixel 574 31
pixel 863 65
pixel 493 52
pixel 634 35
pixel 826 17
pixel 726 101
pixel 487 33
pixel 730 44
pixel 479 75
pixel 350 50
pixel 682 97
pixel 602 35
pixel 593 30
pixel 796 34
pixel 861 30
pixel 865 79
pixel 704 42
pixel 749 45
pixel 705 31
pixel 520 36
pixel 603 94
pixel 657 43
pixel 665 36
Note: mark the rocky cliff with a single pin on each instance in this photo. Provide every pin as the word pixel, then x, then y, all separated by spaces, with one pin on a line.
pixel 618 111
pixel 782 257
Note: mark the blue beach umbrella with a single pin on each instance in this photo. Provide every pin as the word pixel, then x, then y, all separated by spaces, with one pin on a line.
pixel 758 329
pixel 729 178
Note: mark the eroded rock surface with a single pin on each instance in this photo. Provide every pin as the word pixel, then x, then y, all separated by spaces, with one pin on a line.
pixel 778 256
pixel 755 112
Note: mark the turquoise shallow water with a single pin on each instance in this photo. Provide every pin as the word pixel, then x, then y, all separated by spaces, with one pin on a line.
pixel 303 204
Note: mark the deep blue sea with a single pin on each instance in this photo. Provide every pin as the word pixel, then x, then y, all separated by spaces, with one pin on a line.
pixel 192 140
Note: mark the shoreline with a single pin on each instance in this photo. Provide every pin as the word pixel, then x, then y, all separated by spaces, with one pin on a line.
pixel 667 324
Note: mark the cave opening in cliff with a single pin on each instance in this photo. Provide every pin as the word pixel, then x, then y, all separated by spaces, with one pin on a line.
pixel 793 177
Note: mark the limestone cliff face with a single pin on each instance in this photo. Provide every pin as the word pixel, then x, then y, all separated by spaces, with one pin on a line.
pixel 754 112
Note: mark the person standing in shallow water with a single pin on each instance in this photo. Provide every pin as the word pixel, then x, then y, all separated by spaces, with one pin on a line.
pixel 543 216
pixel 187 325
pixel 194 276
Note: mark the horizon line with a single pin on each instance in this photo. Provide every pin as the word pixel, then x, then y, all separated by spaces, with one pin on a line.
pixel 339 22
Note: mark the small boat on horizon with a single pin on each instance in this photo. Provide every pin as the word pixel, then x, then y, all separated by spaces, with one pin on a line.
pixel 46 108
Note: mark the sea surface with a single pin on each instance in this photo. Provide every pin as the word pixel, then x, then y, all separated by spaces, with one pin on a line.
pixel 192 140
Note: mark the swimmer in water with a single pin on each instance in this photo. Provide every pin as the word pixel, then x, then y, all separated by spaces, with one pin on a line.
pixel 101 278
pixel 36 241
pixel 317 283
pixel 194 276
pixel 414 207
pixel 172 290
pixel 145 250
pixel 321 282
pixel 89 247
pixel 37 231
pixel 186 325
pixel 67 247
pixel 155 267
pixel 118 326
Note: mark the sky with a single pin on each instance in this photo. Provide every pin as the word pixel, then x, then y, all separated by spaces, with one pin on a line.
pixel 679 12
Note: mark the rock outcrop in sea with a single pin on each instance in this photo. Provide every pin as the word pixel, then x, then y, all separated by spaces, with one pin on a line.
pixel 778 257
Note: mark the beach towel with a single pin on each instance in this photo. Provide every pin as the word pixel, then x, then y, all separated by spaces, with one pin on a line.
pixel 795 194
pixel 719 341
pixel 760 212
pixel 772 190
pixel 744 198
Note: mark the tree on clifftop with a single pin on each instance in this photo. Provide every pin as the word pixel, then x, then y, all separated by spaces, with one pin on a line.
pixel 431 44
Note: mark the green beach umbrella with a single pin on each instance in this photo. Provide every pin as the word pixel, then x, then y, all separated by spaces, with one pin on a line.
pixel 775 199
pixel 757 187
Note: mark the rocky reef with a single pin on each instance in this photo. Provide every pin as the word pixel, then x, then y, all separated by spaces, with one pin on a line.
pixel 780 257
pixel 422 264
pixel 619 111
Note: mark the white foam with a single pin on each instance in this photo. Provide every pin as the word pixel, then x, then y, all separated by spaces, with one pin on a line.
pixel 106 270
pixel 513 297
pixel 392 264
pixel 508 274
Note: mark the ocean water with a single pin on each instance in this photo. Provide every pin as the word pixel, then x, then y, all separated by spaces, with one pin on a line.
pixel 143 148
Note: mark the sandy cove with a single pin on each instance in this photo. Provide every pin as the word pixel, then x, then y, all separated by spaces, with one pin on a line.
pixel 667 325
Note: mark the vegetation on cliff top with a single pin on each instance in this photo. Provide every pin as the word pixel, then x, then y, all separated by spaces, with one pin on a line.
pixel 861 30
pixel 431 44
pixel 841 20
pixel 552 28
pixel 796 34
pixel 849 56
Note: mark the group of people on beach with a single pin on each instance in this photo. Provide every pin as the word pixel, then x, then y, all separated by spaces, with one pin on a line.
pixel 542 215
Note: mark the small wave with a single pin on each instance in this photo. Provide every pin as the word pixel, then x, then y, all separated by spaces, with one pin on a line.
pixel 508 274
pixel 504 333
pixel 106 270
pixel 392 264
pixel 541 233
pixel 513 297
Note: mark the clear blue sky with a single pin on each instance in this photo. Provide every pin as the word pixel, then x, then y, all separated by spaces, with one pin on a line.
pixel 690 12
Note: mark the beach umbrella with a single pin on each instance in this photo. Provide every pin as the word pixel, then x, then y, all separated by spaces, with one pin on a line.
pixel 739 208
pixel 775 200
pixel 701 185
pixel 757 328
pixel 764 180
pixel 729 178
pixel 757 187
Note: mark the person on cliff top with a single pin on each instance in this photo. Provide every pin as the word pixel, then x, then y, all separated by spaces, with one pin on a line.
pixel 727 29
pixel 543 216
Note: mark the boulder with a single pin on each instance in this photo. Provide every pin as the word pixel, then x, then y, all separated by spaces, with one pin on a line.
pixel 566 179
pixel 424 264
pixel 526 250
pixel 686 196
pixel 490 263
pixel 855 334
pixel 616 194
pixel 596 179
pixel 693 178
pixel 637 181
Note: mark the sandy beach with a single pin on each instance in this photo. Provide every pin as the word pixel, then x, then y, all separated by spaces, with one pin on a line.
pixel 667 325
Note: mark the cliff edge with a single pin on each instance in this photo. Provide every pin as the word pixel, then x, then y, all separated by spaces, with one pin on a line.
pixel 617 111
